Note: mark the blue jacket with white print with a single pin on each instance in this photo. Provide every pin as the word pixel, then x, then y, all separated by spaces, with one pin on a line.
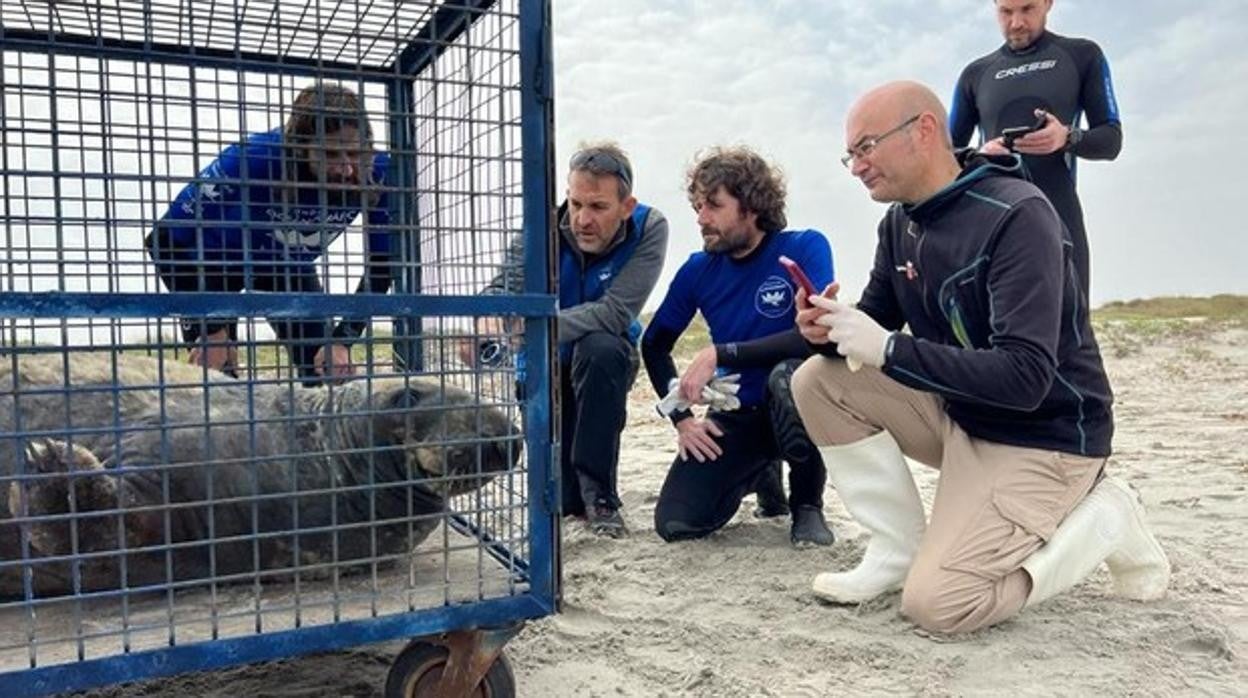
pixel 982 274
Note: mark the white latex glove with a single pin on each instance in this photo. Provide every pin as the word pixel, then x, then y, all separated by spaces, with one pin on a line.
pixel 858 337
pixel 719 394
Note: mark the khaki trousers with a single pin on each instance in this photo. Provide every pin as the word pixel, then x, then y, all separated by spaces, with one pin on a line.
pixel 994 506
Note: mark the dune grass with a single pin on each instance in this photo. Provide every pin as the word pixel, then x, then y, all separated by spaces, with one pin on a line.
pixel 1126 327
pixel 1224 308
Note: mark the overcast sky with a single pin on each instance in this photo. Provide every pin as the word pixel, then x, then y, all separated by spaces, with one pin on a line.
pixel 665 78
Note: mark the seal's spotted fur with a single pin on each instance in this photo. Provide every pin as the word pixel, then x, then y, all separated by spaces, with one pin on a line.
pixel 154 462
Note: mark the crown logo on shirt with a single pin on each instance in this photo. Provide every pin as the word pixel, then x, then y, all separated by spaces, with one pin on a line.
pixel 773 297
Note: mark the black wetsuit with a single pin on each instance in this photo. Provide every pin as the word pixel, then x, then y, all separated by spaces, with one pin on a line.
pixel 1066 77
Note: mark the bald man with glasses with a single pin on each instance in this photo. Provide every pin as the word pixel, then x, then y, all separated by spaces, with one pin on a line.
pixel 998 382
pixel 611 250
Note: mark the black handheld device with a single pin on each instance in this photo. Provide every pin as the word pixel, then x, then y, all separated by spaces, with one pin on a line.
pixel 1009 135
pixel 492 353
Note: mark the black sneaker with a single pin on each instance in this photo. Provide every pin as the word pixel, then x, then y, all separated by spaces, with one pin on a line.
pixel 606 521
pixel 809 527
pixel 769 492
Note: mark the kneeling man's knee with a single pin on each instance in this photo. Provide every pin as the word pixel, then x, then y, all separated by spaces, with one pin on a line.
pixel 672 530
pixel 921 605
pixel 601 347
pixel 805 385
pixel 676 520
pixel 949 603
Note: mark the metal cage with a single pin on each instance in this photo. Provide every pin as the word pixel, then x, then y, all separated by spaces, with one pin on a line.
pixel 164 509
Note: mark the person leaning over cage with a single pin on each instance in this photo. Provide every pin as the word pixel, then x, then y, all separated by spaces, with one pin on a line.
pixel 746 298
pixel 999 384
pixel 611 249
pixel 261 215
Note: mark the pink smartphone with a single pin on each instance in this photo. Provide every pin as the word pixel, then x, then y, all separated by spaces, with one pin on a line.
pixel 799 277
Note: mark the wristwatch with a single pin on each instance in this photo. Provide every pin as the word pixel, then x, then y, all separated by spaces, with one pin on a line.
pixel 1073 136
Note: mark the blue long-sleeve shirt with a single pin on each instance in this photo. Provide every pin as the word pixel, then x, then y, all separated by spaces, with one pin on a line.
pixel 235 212
pixel 238 206
pixel 740 299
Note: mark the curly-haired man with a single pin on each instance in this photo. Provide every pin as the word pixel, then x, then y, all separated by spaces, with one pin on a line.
pixel 747 300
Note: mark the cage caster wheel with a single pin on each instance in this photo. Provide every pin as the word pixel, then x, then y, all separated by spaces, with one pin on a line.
pixel 467 664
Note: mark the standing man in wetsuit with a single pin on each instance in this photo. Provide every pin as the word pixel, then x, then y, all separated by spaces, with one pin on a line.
pixel 1038 74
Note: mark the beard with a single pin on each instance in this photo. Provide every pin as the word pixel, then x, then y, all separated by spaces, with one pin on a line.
pixel 340 192
pixel 723 241
pixel 343 195
pixel 1023 40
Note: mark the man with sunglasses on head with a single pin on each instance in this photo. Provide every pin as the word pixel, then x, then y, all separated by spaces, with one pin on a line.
pixel 611 250
pixel 745 295
pixel 1041 81
pixel 999 383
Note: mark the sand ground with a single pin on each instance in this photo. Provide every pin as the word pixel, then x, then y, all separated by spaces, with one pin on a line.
pixel 733 615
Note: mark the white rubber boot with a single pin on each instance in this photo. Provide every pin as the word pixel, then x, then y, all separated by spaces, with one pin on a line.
pixel 1108 525
pixel 875 484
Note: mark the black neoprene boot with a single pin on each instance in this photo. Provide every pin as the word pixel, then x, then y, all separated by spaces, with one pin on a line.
pixel 769 492
pixel 809 527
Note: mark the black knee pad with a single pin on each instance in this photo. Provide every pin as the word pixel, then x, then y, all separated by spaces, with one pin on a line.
pixel 791 436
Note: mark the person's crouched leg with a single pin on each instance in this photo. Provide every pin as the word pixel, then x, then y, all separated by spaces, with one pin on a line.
pixel 677 518
pixel 602 369
pixel 968 573
pixel 693 503
pixel 950 601
pixel 996 504
pixel 698 498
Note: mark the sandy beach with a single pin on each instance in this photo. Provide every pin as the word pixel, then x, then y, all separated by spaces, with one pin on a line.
pixel 733 615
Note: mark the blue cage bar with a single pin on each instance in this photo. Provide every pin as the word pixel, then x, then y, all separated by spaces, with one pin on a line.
pixel 119 567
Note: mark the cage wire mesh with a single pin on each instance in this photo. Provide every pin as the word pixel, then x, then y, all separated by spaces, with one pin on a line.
pixel 148 163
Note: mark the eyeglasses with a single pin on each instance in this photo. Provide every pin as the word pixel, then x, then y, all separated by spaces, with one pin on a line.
pixel 865 148
pixel 602 163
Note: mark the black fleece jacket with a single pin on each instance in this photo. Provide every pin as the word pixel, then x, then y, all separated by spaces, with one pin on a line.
pixel 981 272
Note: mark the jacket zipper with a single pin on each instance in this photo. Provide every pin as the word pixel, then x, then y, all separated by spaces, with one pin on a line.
pixel 918 265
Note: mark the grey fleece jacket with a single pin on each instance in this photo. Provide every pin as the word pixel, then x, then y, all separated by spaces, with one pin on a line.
pixel 623 300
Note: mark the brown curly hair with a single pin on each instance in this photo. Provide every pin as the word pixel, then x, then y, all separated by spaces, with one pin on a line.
pixel 745 175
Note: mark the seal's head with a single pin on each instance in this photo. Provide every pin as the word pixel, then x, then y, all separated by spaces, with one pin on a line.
pixel 450 437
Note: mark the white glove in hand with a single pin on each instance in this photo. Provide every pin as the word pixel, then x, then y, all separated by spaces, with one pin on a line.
pixel 720 394
pixel 858 337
